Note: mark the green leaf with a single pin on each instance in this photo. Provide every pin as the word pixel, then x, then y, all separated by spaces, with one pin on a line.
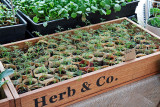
pixel 61 11
pixel 45 24
pixel 88 9
pixel 117 7
pixel 129 0
pixel 108 12
pixel 108 2
pixel 1 83
pixel 35 19
pixel 102 3
pixel 107 7
pixel 41 12
pixel 5 73
pixel 94 8
pixel 74 15
pixel 102 11
pixel 79 12
pixel 123 4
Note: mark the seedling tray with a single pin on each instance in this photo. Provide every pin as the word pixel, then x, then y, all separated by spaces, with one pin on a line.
pixel 125 11
pixel 14 32
pixel 9 100
pixel 64 23
pixel 79 88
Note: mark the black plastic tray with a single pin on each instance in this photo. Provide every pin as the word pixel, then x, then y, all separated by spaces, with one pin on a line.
pixel 125 11
pixel 65 24
pixel 14 32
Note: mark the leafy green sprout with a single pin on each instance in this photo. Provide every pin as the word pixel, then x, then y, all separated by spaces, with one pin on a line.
pixel 4 74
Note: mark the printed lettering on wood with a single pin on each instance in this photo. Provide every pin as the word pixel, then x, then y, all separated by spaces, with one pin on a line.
pixel 86 86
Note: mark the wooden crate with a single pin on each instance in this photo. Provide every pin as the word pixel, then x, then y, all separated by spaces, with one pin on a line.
pixel 91 84
pixel 9 100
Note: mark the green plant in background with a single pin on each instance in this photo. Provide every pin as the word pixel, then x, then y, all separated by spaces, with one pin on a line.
pixel 5 73
pixel 155 21
pixel 7 16
pixel 155 12
pixel 46 10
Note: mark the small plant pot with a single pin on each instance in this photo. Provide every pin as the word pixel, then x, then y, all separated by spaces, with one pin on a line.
pixel 109 59
pixel 119 42
pixel 70 74
pixel 52 46
pixel 54 64
pixel 153 29
pixel 55 58
pixel 90 69
pixel 108 50
pixel 66 54
pixel 8 66
pixel 109 45
pixel 145 42
pixel 51 81
pixel 71 47
pixel 119 53
pixel 43 43
pixel 16 78
pixel 52 52
pixel 76 60
pixel 120 59
pixel 88 57
pixel 75 40
pixel 40 71
pixel 30 82
pixel 27 73
pixel 61 48
pixel 36 86
pixel 84 65
pixel 98 58
pixel 45 79
pixel 77 52
pixel 141 46
pixel 60 71
pixel 71 68
pixel 65 77
pixel 22 88
pixel 66 61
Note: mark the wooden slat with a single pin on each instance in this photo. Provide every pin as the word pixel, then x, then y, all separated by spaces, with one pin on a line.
pixel 8 101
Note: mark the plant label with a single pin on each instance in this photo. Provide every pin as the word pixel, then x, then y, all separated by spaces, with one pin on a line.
pixel 130 54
